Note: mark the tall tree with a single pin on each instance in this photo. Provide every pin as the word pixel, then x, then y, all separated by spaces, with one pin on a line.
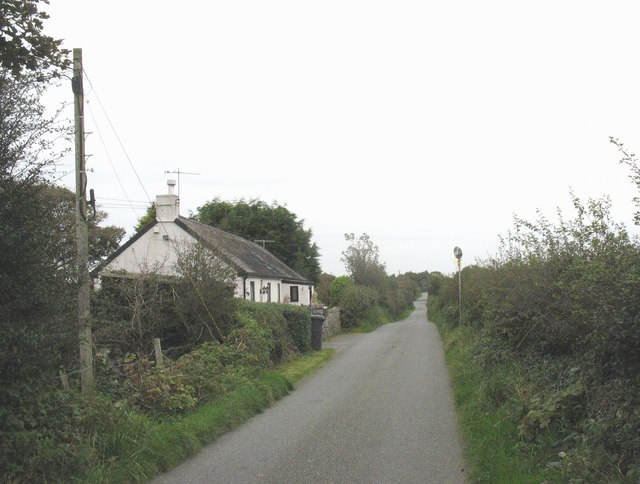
pixel 362 262
pixel 29 138
pixel 61 203
pixel 23 45
pixel 257 220
pixel 33 291
pixel 147 218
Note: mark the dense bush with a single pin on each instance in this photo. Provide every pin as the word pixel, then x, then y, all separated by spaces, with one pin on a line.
pixel 368 285
pixel 37 291
pixel 561 299
pixel 51 434
pixel 129 312
pixel 261 334
pixel 323 288
pixel 355 302
pixel 290 326
pixel 298 326
pixel 338 286
pixel 205 373
pixel 400 292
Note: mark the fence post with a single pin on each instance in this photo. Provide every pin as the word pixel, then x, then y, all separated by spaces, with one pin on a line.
pixel 64 379
pixel 158 351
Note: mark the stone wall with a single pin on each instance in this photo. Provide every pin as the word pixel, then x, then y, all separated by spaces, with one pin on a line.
pixel 331 323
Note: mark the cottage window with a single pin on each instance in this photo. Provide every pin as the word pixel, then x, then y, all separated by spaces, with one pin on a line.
pixel 252 290
pixel 294 294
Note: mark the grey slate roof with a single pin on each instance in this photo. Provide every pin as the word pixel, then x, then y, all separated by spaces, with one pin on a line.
pixel 248 257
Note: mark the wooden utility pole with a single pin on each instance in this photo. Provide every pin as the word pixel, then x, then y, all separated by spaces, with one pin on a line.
pixel 82 231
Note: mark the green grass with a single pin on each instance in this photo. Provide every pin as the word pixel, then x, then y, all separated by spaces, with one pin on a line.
pixel 376 317
pixel 305 365
pixel 143 448
pixel 488 416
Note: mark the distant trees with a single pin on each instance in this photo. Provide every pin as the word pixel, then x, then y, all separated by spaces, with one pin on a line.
pixel 257 220
pixel 361 261
pixel 367 294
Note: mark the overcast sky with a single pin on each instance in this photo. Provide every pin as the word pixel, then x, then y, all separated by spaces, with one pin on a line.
pixel 424 124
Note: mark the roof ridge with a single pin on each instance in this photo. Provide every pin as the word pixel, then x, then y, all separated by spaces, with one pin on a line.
pixel 207 226
pixel 262 256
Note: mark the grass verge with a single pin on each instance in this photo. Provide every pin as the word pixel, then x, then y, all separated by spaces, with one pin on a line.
pixel 298 369
pixel 144 447
pixel 375 318
pixel 487 413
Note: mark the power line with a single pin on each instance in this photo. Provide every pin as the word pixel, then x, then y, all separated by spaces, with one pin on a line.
pixel 147 194
pixel 123 200
pixel 108 154
pixel 118 138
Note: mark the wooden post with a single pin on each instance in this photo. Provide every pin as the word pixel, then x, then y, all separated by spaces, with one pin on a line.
pixel 64 379
pixel 158 350
pixel 82 231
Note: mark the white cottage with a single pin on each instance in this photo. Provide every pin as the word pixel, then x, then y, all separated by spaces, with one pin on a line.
pixel 260 276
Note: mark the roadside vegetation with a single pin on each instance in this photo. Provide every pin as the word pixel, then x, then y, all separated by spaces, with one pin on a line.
pixel 223 359
pixel 367 296
pixel 546 362
pixel 145 416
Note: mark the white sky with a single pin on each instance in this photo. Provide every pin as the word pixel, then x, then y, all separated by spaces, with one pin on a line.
pixel 424 124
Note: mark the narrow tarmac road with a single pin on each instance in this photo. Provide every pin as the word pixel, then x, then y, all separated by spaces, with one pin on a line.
pixel 380 412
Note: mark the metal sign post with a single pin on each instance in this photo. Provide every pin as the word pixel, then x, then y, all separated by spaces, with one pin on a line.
pixel 457 252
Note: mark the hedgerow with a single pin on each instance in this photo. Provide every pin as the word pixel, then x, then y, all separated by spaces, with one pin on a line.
pixel 53 433
pixel 560 300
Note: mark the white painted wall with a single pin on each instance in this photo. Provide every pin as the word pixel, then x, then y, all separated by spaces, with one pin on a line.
pixel 279 290
pixel 156 251
pixel 263 296
pixel 303 293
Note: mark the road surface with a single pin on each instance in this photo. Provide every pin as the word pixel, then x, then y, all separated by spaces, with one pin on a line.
pixel 380 411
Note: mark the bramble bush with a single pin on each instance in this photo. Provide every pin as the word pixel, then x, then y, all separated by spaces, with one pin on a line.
pixel 52 434
pixel 561 299
pixel 289 327
pixel 183 311
pixel 205 373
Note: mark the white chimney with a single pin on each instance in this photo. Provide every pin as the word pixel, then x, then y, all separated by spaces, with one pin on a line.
pixel 168 206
